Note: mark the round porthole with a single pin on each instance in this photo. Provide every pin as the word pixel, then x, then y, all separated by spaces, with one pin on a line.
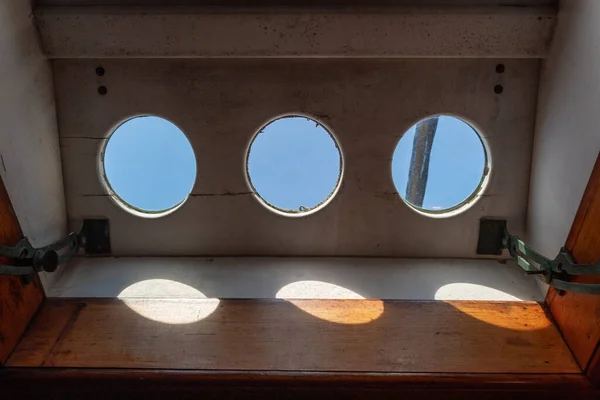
pixel 440 166
pixel 294 165
pixel 148 165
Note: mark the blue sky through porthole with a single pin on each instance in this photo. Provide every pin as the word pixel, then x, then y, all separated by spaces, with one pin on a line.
pixel 294 163
pixel 149 163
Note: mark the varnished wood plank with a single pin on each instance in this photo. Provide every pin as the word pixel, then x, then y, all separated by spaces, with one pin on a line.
pixel 149 384
pixel 48 327
pixel 18 302
pixel 583 239
pixel 593 369
pixel 304 335
pixel 578 315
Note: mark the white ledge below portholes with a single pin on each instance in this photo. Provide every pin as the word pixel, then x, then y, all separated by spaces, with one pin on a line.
pixel 286 277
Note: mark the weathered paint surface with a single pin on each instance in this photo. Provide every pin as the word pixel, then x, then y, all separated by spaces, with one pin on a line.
pixel 93 32
pixel 368 105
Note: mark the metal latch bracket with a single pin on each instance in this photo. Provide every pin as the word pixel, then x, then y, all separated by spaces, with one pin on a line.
pixel 494 238
pixel 25 260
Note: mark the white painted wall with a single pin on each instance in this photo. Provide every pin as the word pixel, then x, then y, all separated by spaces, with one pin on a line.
pixel 367 104
pixel 29 151
pixel 567 138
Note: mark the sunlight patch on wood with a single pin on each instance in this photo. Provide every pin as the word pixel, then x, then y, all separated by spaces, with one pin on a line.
pixel 472 291
pixel 179 302
pixel 515 316
pixel 173 311
pixel 341 312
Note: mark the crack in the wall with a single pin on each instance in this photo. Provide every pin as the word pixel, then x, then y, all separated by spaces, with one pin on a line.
pixel 83 137
pixel 220 194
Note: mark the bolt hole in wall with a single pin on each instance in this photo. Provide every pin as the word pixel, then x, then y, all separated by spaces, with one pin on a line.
pixel 294 166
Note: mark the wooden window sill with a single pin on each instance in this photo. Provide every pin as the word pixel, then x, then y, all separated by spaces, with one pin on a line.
pixel 296 335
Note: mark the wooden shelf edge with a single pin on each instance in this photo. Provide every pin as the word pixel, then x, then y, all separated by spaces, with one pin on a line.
pixel 99 383
pixel 233 377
